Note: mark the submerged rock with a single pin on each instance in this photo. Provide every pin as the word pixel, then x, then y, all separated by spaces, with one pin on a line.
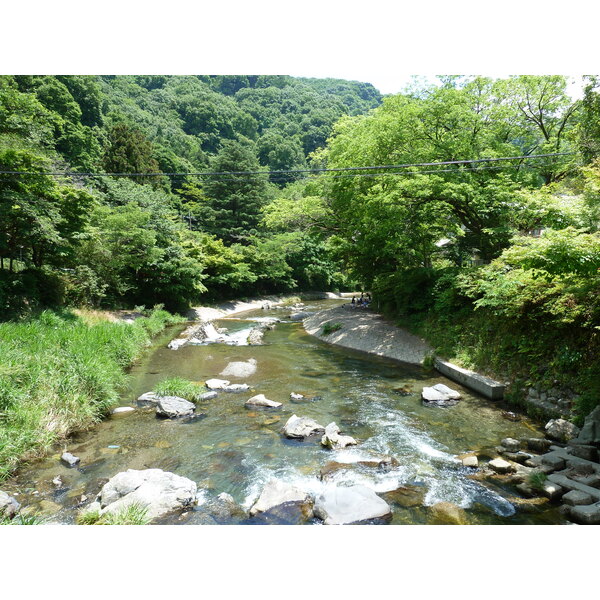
pixel 240 369
pixel 447 513
pixel 260 400
pixel 208 396
pixel 332 438
pixel 236 388
pixel 299 316
pixel 440 395
pixel 122 410
pixel 69 459
pixel 217 384
pixel 276 493
pixel 302 427
pixel 338 505
pixel 174 407
pixel 160 492
pixel 511 445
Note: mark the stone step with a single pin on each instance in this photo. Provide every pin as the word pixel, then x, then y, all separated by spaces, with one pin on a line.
pixel 487 387
pixel 569 484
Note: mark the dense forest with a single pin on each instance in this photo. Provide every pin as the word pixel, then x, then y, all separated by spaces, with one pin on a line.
pixel 497 262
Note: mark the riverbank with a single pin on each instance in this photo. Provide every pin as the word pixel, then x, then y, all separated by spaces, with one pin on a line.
pixel 61 372
pixel 224 309
pixel 362 329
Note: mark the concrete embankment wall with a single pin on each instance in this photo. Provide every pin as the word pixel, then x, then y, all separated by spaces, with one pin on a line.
pixel 487 387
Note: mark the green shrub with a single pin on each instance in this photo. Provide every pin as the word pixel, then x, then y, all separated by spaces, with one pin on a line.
pixel 537 479
pixel 59 374
pixel 330 328
pixel 177 386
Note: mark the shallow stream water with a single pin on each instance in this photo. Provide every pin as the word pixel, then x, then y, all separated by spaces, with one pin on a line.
pixel 235 450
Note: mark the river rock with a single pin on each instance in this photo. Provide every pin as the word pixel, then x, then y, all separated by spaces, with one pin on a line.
pixel 217 384
pixel 540 445
pixel 299 316
pixel 294 396
pixel 260 400
pixel 302 427
pixel 577 498
pixel 69 459
pixel 447 513
pixel 337 505
pixel 159 491
pixel 276 493
pixel 256 335
pixel 148 399
pixel 590 432
pixel 208 396
pixel 440 395
pixel 9 506
pixel 236 388
pixel 240 369
pixel 332 438
pixel 501 466
pixel 470 461
pixel 511 445
pixel 561 430
pixel 174 407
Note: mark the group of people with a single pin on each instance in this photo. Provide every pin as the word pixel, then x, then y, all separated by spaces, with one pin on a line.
pixel 363 301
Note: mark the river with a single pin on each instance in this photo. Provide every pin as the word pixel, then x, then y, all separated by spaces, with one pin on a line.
pixel 235 450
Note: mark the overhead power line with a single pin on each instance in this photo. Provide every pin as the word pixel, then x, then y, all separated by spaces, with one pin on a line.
pixel 293 171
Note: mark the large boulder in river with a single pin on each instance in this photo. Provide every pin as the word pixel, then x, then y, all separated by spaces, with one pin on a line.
pixel 261 400
pixel 332 438
pixel 561 430
pixel 174 407
pixel 8 505
pixel 160 492
pixel 276 493
pixel 302 427
pixel 337 505
pixel 440 395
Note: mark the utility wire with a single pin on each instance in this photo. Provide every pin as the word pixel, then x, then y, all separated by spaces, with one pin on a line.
pixel 290 171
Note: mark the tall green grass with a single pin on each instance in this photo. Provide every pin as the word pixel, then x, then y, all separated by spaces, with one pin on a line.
pixel 59 374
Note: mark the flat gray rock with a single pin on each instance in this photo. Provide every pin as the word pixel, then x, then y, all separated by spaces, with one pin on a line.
pixel 302 427
pixel 208 395
pixel 440 395
pixel 346 505
pixel 276 493
pixel 174 407
pixel 236 388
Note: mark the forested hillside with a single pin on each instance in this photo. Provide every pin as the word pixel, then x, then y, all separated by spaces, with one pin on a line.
pixel 115 241
pixel 496 261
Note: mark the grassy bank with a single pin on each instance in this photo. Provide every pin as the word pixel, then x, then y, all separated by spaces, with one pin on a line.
pixel 60 372
pixel 520 352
